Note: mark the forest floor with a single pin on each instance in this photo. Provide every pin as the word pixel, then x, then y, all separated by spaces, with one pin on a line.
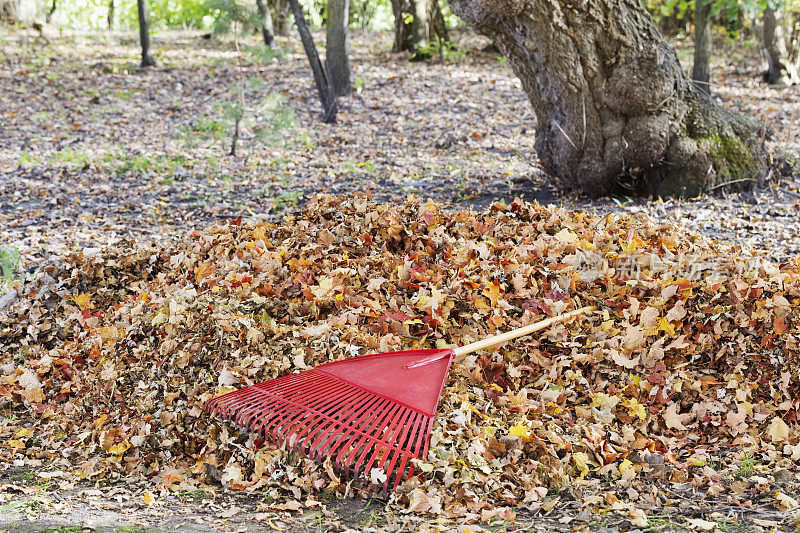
pixel 95 151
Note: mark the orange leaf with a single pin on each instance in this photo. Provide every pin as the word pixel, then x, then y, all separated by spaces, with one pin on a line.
pixel 492 291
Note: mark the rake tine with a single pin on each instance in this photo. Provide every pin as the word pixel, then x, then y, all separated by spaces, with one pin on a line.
pixel 377 439
pixel 326 412
pixel 268 410
pixel 345 439
pixel 391 434
pixel 293 408
pixel 348 416
pixel 319 413
pixel 395 452
pixel 267 396
pixel 371 411
pixel 251 406
pixel 400 449
pixel 224 405
pixel 221 402
pixel 236 402
pixel 416 430
pixel 425 440
pixel 282 410
pixel 387 439
pixel 369 439
pixel 338 441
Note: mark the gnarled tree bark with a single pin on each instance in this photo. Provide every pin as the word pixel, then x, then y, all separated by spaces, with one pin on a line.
pixel 615 111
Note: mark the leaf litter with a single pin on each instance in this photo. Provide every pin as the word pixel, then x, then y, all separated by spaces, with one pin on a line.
pixel 684 384
pixel 105 360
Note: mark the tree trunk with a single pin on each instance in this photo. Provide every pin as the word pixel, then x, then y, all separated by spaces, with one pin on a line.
pixel 338 47
pixel 49 16
pixel 326 95
pixel 615 111
pixel 402 29
pixel 780 47
pixel 9 11
pixel 420 25
pixel 774 67
pixel 438 27
pixel 280 14
pixel 701 71
pixel 144 33
pixel 110 15
pixel 427 24
pixel 267 29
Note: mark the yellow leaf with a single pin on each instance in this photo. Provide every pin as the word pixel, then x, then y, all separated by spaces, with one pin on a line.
pixel 520 431
pixel 84 301
pixel 160 317
pixel 639 519
pixel 420 501
pixel 325 290
pixel 119 449
pixel 480 304
pixel 567 237
pixel 632 242
pixel 603 401
pixel 149 499
pixel 697 461
pixel 581 459
pixel 548 505
pixel 624 466
pixel 24 432
pixel 665 326
pixel 100 420
pixel 635 409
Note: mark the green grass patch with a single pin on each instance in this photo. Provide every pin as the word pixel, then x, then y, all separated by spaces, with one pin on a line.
pixel 9 265
pixel 63 529
pixel 265 54
pixel 204 127
pixel 164 165
pixel 71 157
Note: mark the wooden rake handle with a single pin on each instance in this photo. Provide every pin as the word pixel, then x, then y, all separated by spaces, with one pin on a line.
pixel 504 337
pixel 519 332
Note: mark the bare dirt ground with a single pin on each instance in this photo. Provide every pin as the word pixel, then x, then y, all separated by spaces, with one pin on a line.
pixel 94 150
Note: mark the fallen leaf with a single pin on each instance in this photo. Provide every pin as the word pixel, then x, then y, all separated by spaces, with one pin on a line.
pixel 778 430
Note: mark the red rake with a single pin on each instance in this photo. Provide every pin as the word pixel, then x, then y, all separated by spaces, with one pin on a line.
pixel 365 413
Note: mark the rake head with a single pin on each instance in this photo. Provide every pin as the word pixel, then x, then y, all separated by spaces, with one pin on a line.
pixel 368 412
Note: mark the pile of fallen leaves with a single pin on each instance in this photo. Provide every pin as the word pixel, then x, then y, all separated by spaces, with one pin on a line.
pixel 690 365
